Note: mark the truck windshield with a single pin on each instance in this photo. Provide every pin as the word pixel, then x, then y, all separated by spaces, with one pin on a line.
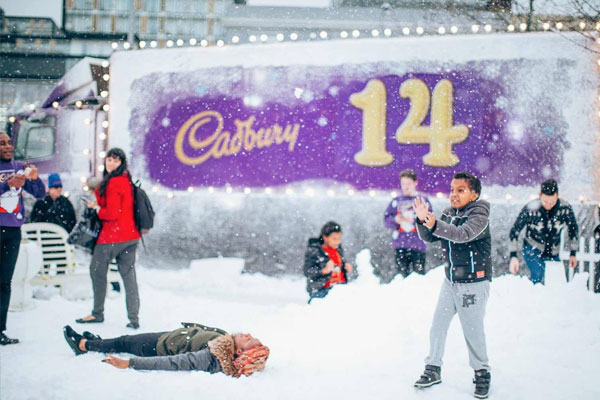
pixel 35 140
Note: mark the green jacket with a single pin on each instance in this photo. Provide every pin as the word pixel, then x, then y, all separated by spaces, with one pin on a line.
pixel 193 337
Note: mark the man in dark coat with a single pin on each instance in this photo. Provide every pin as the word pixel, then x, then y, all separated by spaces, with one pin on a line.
pixel 54 208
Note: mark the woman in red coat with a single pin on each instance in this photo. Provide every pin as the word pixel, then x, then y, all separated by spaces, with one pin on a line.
pixel 118 238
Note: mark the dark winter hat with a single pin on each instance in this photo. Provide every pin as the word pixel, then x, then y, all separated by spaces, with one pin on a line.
pixel 549 187
pixel 54 181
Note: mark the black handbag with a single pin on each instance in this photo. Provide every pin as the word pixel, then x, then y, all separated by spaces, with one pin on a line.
pixel 85 233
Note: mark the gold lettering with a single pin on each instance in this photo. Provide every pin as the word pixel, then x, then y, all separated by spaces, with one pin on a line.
pixel 222 143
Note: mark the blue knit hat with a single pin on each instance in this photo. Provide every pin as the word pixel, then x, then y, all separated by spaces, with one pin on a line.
pixel 54 181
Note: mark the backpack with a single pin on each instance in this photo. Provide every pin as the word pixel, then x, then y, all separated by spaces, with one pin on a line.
pixel 143 213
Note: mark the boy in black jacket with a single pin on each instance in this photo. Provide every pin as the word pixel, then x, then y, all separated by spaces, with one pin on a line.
pixel 464 232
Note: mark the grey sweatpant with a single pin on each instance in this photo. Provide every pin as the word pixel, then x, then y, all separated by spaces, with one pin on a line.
pixel 469 301
pixel 124 253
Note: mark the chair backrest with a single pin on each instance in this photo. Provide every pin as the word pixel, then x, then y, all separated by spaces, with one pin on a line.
pixel 52 239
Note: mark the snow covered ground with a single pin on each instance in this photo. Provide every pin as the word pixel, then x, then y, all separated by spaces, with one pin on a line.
pixel 363 340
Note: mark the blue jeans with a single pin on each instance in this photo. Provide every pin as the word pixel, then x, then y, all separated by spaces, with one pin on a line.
pixel 536 263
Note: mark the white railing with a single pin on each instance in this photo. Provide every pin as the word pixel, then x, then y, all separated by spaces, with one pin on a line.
pixel 585 254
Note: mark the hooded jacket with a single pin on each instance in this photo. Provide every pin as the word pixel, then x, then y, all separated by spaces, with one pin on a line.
pixel 466 242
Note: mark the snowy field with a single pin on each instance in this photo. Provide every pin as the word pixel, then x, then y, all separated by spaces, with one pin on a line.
pixel 363 340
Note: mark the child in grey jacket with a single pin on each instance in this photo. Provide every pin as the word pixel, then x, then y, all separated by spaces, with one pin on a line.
pixel 464 233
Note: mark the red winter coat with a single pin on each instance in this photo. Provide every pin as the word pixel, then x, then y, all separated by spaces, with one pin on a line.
pixel 116 212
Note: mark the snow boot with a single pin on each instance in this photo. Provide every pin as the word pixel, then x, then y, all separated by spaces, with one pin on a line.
pixel 430 377
pixel 73 338
pixel 4 340
pixel 482 383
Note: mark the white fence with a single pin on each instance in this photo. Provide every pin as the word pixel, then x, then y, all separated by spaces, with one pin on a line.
pixel 585 254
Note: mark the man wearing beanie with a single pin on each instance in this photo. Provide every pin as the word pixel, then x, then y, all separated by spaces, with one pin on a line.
pixel 54 208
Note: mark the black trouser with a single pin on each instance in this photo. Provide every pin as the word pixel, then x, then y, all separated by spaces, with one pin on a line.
pixel 10 241
pixel 142 345
pixel 409 260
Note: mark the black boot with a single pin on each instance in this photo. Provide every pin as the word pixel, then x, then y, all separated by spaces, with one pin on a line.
pixel 4 340
pixel 73 338
pixel 430 377
pixel 482 383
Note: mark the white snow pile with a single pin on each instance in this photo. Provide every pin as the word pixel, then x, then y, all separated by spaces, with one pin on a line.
pixel 363 340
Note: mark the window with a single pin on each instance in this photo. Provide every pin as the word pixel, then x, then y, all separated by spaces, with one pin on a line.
pixel 35 140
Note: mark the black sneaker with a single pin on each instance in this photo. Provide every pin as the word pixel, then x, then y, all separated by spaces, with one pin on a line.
pixel 90 336
pixel 133 325
pixel 4 340
pixel 73 338
pixel 430 377
pixel 482 383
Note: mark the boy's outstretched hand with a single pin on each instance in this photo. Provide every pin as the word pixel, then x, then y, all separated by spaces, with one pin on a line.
pixel 116 361
pixel 421 208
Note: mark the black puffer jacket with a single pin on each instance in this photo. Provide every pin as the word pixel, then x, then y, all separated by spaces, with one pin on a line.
pixel 315 260
pixel 59 212
pixel 544 228
pixel 466 241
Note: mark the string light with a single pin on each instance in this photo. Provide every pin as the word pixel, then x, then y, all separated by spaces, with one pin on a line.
pixel 169 43
pixel 105 64
pixel 523 26
pixel 211 189
pixel 355 33
pixel 289 191
pixel 280 37
pixel 154 189
pixel 102 154
pixel 204 43
pixel 170 195
pixel 78 104
pixel 104 93
pixel 106 107
pixel 179 42
pixel 268 190
pixel 87 121
pixel 106 77
pixel 309 192
pixel 252 38
pixel 508 197
pixel 190 189
pixel 126 45
pixel 439 195
pixel 441 30
pixel 488 28
pixel 343 34
pixel 264 38
pixel 114 45
pixel 406 31
pixel 55 104
pixel 454 29
pixel 546 26
pixel 11 119
pixel 193 41
pixel 153 44
pixel 220 43
pixel 393 193
pixel 559 25
pixel 229 190
pixel 387 32
pixel 247 190
pixel 420 30
pixel 100 168
pixel 475 28
pixel 582 25
pixel 235 39
pixel 293 36
pixel 372 193
pixel 323 35
pixel 105 124
pixel 375 33
pixel 511 28
pixel 351 192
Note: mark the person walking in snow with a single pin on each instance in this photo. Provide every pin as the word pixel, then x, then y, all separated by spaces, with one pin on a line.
pixel 15 176
pixel 324 262
pixel 118 237
pixel 400 218
pixel 464 233
pixel 195 347
pixel 545 219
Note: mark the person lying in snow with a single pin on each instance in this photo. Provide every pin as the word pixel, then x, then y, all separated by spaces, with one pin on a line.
pixel 193 347
pixel 324 262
